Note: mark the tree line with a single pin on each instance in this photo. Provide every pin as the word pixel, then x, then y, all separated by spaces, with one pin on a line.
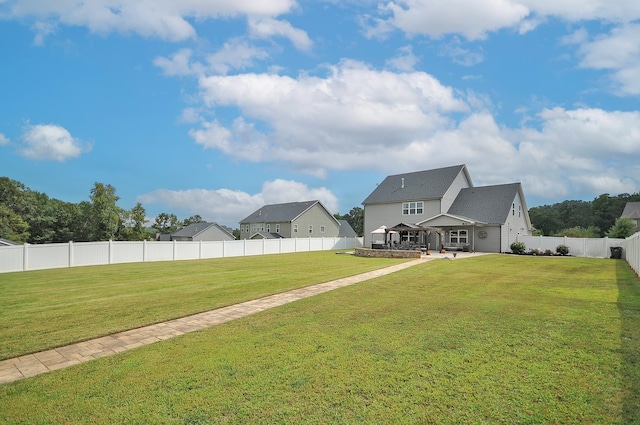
pixel 33 217
pixel 586 219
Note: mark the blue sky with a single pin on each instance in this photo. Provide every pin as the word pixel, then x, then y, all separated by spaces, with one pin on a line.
pixel 219 107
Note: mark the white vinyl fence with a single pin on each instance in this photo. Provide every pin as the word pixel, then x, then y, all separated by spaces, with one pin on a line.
pixel 50 256
pixel 632 253
pixel 579 247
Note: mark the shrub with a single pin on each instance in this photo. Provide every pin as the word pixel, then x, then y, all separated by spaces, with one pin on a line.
pixel 518 247
pixel 548 252
pixel 562 249
pixel 535 251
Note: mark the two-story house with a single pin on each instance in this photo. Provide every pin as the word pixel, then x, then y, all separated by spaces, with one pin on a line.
pixel 291 220
pixel 632 212
pixel 487 218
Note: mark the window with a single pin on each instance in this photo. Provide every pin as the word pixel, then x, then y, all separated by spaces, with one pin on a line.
pixel 268 228
pixel 459 236
pixel 311 228
pixel 278 228
pixel 295 228
pixel 519 210
pixel 513 209
pixel 321 229
pixel 412 208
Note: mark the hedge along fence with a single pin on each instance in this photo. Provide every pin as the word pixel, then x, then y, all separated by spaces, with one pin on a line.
pixel 50 256
pixel 579 247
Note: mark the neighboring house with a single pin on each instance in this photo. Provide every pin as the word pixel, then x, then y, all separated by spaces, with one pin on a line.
pixel 291 220
pixel 346 231
pixel 632 212
pixel 203 232
pixel 442 208
pixel 265 235
pixel 7 242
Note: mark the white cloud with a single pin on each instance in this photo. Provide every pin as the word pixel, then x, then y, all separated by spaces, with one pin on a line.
pixel 460 55
pixel 235 54
pixel 4 140
pixel 313 121
pixel 618 51
pixel 179 64
pixel 472 19
pixel 227 207
pixel 165 19
pixel 404 60
pixel 50 142
pixel 265 27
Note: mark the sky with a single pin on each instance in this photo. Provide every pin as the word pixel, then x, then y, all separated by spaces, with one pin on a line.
pixel 217 107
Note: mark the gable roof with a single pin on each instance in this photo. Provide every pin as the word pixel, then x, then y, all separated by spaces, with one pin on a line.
pixel 279 213
pixel 266 235
pixel 632 210
pixel 7 242
pixel 346 230
pixel 486 204
pixel 196 228
pixel 428 184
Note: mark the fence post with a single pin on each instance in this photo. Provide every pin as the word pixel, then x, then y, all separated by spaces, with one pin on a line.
pixel 200 250
pixel 25 257
pixel 110 251
pixel 175 249
pixel 70 253
pixel 223 247
pixel 144 250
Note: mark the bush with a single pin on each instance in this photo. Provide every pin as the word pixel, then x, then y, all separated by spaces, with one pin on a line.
pixel 518 247
pixel 562 249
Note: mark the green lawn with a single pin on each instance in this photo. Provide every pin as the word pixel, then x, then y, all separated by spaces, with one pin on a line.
pixel 495 339
pixel 50 308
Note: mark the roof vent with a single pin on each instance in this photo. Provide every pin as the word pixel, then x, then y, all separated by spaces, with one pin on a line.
pixel 402 183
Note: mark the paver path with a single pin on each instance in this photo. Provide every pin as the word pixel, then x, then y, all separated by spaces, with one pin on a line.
pixel 61 357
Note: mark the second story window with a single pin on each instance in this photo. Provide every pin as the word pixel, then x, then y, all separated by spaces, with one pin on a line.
pixel 311 228
pixel 295 228
pixel 412 208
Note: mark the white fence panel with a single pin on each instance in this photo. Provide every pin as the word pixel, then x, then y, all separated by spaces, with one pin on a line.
pixel 234 248
pixel 633 252
pixel 90 253
pixel 253 246
pixel 287 246
pixel 187 250
pixel 212 249
pixel 159 251
pixel 579 247
pixel 49 256
pixel 12 258
pixel 127 252
pixel 271 246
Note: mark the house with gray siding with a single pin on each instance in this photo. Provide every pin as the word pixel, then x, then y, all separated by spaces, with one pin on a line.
pixel 632 212
pixel 203 232
pixel 486 218
pixel 290 220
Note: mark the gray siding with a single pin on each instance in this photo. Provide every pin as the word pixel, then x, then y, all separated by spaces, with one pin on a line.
pixel 317 217
pixel 376 215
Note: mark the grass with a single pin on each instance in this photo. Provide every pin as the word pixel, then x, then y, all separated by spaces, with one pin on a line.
pixel 49 308
pixel 495 340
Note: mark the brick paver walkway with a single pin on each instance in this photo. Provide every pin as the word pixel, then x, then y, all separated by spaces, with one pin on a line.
pixel 58 358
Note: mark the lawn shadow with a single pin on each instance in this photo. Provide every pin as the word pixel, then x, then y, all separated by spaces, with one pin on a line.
pixel 629 309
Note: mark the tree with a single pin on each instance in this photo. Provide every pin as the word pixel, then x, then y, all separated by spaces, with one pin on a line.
pixel 192 220
pixel 133 222
pixel 622 228
pixel 355 218
pixel 580 232
pixel 166 223
pixel 12 226
pixel 105 213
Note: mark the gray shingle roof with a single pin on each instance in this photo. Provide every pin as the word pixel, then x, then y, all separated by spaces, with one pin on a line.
pixel 429 184
pixel 193 229
pixel 632 210
pixel 487 204
pixel 282 213
pixel 346 230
